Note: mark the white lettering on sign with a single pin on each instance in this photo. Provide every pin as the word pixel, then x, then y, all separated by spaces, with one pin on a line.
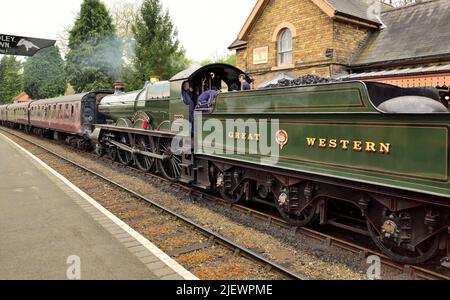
pixel 7 41
pixel 7 38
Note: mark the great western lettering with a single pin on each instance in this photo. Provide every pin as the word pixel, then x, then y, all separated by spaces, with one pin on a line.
pixel 357 146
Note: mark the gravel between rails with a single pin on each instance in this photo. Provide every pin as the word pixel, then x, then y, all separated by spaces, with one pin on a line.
pixel 299 253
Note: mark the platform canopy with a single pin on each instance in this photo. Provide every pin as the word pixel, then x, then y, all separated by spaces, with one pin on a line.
pixel 22 46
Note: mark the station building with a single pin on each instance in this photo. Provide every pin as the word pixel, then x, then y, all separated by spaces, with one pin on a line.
pixel 351 39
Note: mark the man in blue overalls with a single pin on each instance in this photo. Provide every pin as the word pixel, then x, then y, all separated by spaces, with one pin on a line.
pixel 187 99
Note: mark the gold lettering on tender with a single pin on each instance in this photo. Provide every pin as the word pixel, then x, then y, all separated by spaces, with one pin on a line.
pixel 385 148
pixel 257 137
pixel 370 147
pixel 236 135
pixel 311 142
pixel 243 136
pixel 231 135
pixel 344 144
pixel 250 137
pixel 332 144
pixel 357 146
pixel 322 143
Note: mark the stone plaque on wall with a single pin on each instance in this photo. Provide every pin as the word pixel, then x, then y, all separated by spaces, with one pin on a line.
pixel 261 55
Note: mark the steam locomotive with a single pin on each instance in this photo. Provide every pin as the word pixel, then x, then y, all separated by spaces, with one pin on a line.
pixel 369 157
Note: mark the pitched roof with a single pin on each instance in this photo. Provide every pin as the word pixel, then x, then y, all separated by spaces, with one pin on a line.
pixel 361 9
pixel 353 9
pixel 23 97
pixel 412 32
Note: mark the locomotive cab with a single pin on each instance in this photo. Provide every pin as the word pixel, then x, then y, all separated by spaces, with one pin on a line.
pixel 217 77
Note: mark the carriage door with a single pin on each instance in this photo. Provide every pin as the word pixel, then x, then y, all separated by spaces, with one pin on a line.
pixel 88 119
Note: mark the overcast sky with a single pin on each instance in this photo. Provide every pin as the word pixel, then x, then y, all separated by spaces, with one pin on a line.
pixel 205 27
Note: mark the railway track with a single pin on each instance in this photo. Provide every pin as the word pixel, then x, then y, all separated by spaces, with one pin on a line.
pixel 210 237
pixel 413 271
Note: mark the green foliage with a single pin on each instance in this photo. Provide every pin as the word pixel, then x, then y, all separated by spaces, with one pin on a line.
pixel 95 53
pixel 229 60
pixel 158 52
pixel 44 75
pixel 11 79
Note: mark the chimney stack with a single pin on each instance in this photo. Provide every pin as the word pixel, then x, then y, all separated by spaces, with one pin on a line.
pixel 119 88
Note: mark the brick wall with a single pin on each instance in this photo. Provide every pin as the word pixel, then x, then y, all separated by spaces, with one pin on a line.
pixel 348 39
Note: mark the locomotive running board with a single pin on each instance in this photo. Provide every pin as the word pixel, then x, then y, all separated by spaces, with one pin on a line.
pixel 163 134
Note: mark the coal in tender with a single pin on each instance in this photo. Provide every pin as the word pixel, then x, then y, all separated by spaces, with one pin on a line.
pixel 302 80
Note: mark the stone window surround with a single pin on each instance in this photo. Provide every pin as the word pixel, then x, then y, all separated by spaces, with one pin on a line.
pixel 275 37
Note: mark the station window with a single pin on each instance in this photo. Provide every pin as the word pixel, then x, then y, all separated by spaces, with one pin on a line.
pixel 285 47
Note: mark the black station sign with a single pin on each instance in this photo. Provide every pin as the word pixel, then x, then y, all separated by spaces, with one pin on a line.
pixel 23 46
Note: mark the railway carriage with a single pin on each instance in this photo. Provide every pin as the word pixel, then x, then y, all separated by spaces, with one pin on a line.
pixel 17 114
pixel 3 114
pixel 70 117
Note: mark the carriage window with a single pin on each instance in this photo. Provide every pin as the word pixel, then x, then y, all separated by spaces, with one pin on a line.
pixel 72 111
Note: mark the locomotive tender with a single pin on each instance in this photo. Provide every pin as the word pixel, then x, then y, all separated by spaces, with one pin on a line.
pixel 347 153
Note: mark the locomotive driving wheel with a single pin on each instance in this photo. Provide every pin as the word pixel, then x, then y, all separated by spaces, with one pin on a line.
pixel 112 153
pixel 170 165
pixel 144 143
pixel 125 157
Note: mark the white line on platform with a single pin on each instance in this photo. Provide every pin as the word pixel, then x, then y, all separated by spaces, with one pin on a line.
pixel 176 267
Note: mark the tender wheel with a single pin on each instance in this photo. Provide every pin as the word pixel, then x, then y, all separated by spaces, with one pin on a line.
pixel 297 205
pixel 422 252
pixel 304 218
pixel 232 196
pixel 143 162
pixel 231 185
pixel 170 166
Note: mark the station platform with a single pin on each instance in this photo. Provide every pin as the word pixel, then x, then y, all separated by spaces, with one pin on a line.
pixel 49 229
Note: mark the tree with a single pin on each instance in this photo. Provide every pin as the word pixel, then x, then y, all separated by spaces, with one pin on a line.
pixel 44 75
pixel 158 52
pixel 95 54
pixel 124 14
pixel 229 60
pixel 11 79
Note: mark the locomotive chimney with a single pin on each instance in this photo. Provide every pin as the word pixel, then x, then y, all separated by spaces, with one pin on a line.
pixel 119 88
